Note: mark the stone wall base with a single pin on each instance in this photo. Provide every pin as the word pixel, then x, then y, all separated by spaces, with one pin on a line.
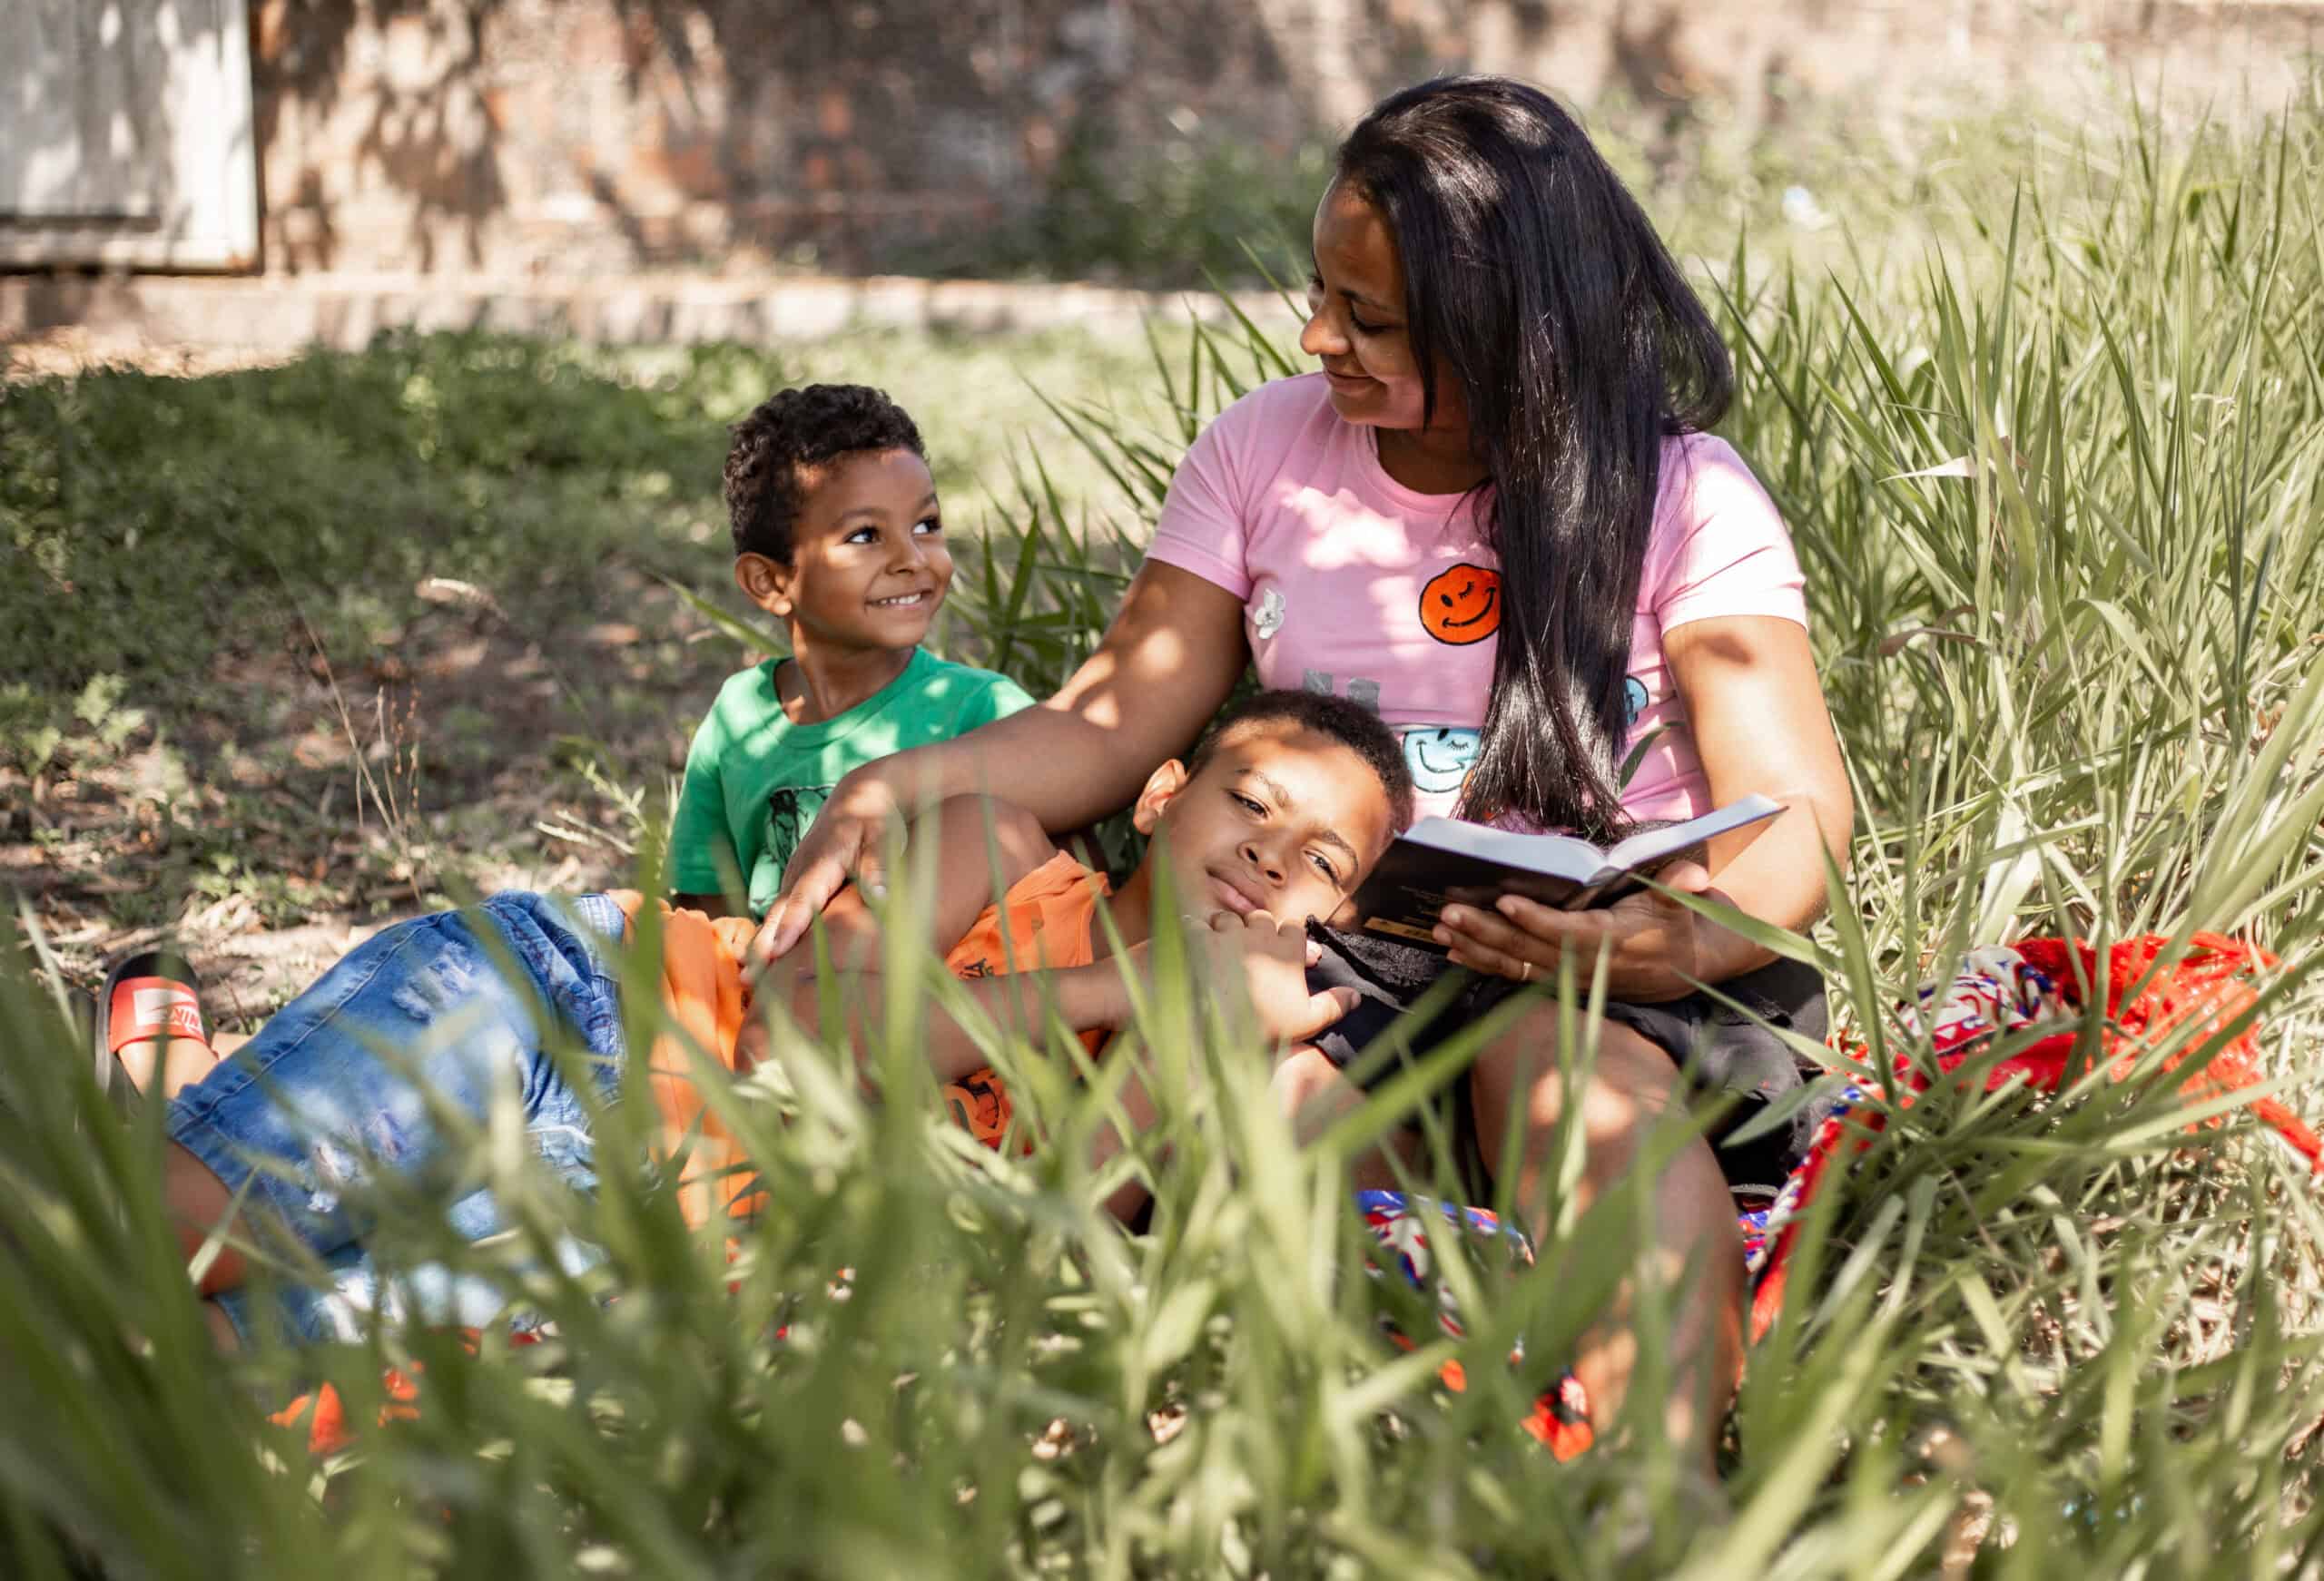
pixel 343 311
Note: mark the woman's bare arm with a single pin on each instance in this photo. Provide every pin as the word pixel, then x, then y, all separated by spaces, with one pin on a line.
pixel 1163 668
pixel 1757 715
pixel 969 852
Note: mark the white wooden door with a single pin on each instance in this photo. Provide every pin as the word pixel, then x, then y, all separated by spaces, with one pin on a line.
pixel 126 134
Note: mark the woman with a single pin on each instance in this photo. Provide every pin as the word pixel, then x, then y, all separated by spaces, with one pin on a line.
pixel 1493 515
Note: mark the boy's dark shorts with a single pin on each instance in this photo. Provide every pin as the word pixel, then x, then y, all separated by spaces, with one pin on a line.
pixel 1722 1052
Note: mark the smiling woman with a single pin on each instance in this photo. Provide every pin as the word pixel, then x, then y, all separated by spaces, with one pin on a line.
pixel 1357 327
pixel 1492 517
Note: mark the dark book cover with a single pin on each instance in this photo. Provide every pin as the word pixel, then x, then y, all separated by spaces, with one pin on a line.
pixel 1442 862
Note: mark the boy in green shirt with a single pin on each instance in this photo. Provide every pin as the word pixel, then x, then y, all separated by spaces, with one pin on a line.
pixel 837 535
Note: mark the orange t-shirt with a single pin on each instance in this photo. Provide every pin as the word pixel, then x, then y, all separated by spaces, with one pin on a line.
pixel 1042 922
pixel 702 991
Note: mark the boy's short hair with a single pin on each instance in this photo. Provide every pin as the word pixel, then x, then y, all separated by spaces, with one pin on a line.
pixel 1352 725
pixel 790 432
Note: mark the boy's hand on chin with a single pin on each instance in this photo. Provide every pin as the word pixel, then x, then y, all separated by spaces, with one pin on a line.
pixel 1271 956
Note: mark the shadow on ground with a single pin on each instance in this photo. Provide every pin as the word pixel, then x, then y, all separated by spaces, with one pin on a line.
pixel 290 652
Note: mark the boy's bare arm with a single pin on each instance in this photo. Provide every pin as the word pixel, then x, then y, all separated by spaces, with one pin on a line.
pixel 1086 998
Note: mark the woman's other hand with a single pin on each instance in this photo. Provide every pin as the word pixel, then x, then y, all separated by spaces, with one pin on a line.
pixel 1657 948
pixel 844 843
pixel 1164 667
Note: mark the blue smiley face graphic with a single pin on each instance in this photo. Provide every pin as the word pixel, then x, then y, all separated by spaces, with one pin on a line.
pixel 1440 759
pixel 1633 698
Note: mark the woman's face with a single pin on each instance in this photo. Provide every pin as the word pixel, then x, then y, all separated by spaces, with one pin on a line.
pixel 1356 320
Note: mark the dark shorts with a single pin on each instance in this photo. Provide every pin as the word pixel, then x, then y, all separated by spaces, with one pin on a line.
pixel 1726 1058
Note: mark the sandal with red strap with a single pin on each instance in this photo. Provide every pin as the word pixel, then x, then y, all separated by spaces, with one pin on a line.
pixel 153 996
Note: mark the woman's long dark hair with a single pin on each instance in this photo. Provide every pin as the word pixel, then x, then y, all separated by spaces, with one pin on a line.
pixel 1532 274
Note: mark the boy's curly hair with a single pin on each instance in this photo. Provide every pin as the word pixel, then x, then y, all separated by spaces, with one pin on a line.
pixel 790 432
pixel 1340 719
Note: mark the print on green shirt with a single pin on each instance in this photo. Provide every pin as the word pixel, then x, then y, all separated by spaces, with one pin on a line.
pixel 755 781
pixel 790 808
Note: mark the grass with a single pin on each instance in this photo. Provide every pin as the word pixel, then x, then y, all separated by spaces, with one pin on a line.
pixel 343 637
pixel 2057 491
pixel 340 482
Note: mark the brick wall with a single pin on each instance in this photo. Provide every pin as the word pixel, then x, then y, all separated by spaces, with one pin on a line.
pixel 582 137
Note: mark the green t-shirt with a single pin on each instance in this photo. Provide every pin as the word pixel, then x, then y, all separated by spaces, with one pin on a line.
pixel 754 779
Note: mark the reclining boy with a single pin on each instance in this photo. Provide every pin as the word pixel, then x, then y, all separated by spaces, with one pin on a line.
pixel 1275 819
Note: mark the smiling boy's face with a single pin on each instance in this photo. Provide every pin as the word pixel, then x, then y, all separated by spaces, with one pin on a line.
pixel 1279 817
pixel 868 562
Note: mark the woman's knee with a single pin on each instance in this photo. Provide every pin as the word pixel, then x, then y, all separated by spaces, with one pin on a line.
pixel 1624 1085
pixel 1629 1100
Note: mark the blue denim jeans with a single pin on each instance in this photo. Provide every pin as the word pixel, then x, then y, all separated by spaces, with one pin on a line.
pixel 344 1086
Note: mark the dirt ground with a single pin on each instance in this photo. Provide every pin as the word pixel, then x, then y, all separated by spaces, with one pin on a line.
pixel 313 802
pixel 310 799
pixel 75 349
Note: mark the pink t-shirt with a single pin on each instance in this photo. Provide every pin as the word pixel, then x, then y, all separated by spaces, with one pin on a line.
pixel 1354 585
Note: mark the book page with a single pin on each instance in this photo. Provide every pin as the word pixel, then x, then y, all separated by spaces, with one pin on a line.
pixel 1558 855
pixel 1651 848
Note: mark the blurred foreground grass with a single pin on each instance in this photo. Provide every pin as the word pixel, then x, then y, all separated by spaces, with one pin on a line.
pixel 2060 492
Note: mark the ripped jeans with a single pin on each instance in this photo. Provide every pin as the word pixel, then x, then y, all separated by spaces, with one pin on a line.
pixel 350 1081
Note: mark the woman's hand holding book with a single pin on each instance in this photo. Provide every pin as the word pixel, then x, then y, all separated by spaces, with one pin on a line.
pixel 1657 948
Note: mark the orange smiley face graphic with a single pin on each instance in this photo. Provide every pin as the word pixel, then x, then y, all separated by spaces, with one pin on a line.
pixel 1461 606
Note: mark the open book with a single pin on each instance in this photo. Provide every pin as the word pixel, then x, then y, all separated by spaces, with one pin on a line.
pixel 1441 861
